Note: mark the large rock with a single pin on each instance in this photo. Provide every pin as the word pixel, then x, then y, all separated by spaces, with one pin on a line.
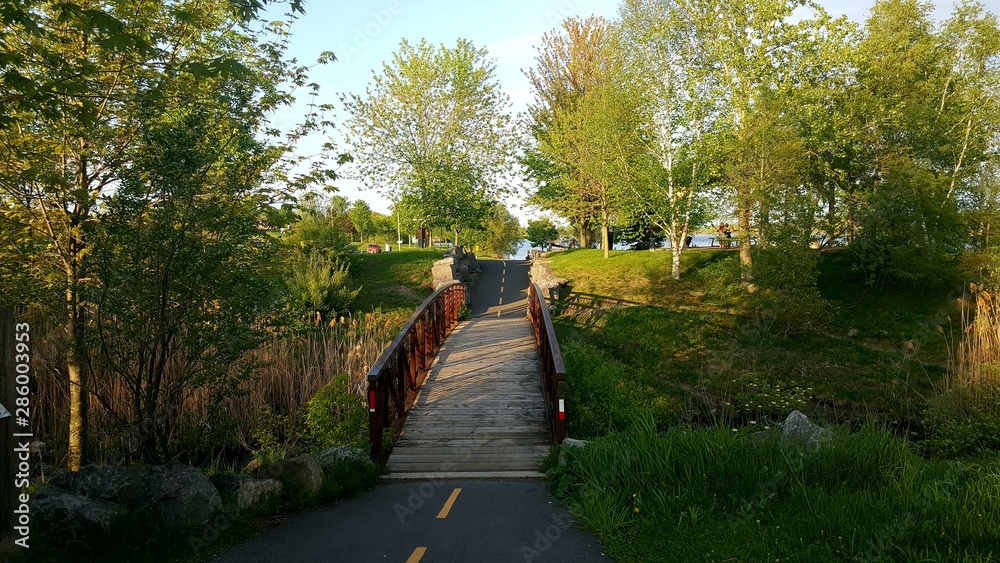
pixel 300 472
pixel 541 273
pixel 70 515
pixel 798 427
pixel 183 496
pixel 567 445
pixel 104 482
pixel 243 490
pixel 330 457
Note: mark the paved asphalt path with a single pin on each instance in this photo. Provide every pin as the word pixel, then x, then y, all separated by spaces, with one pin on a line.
pixel 428 521
pixel 489 521
pixel 502 288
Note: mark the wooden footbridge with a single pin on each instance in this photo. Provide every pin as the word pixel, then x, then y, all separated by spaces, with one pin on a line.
pixel 483 397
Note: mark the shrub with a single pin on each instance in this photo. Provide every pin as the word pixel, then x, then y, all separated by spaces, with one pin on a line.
pixel 786 297
pixel 335 416
pixel 963 421
pixel 322 286
pixel 604 395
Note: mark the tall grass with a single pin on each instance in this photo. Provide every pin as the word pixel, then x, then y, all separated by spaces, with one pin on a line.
pixel 715 494
pixel 964 419
pixel 281 376
pixel 979 350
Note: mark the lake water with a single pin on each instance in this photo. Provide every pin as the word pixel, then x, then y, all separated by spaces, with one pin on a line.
pixel 697 241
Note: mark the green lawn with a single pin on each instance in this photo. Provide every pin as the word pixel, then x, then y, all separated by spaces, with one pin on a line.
pixel 680 391
pixel 697 357
pixel 399 280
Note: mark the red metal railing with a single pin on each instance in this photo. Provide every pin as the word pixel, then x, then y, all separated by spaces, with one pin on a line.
pixel 402 367
pixel 553 372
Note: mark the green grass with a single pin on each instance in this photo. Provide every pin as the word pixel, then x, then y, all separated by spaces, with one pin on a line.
pixel 689 351
pixel 681 389
pixel 718 495
pixel 397 280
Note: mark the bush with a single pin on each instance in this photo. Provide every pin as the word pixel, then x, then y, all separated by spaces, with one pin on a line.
pixel 603 396
pixel 963 421
pixel 335 416
pixel 322 286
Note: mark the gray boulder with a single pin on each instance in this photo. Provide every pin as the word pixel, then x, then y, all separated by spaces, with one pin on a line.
pixel 183 496
pixel 103 482
pixel 66 513
pixel 798 427
pixel 300 472
pixel 569 444
pixel 244 491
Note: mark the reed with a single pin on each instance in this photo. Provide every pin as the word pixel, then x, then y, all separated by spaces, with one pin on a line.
pixel 278 378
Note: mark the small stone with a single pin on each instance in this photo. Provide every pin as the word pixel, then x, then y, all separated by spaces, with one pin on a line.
pixel 798 427
pixel 852 333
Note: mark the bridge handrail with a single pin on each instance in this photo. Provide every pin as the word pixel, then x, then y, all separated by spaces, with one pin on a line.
pixel 550 359
pixel 403 365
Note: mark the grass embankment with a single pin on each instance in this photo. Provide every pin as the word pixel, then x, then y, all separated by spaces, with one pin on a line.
pixel 683 358
pixel 398 280
pixel 689 351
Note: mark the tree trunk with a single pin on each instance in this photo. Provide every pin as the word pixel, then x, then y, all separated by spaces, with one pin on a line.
pixel 605 235
pixel 585 233
pixel 77 373
pixel 746 261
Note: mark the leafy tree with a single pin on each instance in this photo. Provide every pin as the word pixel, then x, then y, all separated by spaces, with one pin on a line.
pixel 361 218
pixel 501 235
pixel 586 125
pixel 669 63
pixel 431 129
pixel 541 232
pixel 182 270
pixel 80 80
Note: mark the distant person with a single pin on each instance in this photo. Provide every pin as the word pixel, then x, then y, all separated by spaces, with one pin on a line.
pixel 528 257
pixel 722 229
pixel 687 241
pixel 728 231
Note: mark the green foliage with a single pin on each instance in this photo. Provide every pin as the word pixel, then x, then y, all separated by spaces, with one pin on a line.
pixel 321 286
pixel 335 416
pixel 276 436
pixel 540 232
pixel 319 232
pixel 786 297
pixel 464 312
pixel 725 494
pixel 909 235
pixel 963 421
pixel 604 395
pixel 500 235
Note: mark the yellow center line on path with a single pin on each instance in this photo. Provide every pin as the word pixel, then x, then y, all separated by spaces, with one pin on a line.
pixel 448 504
pixel 417 555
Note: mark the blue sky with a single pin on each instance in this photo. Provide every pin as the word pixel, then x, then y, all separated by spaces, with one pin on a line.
pixel 363 34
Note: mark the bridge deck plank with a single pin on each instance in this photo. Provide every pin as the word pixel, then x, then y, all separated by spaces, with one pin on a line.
pixel 481 407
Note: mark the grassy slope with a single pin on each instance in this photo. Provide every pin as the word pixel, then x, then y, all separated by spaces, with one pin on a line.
pixel 726 493
pixel 687 348
pixel 398 280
